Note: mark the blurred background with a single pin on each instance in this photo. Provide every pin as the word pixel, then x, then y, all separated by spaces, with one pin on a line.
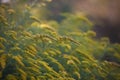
pixel 103 13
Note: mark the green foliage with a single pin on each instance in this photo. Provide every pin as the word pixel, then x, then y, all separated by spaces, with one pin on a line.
pixel 31 49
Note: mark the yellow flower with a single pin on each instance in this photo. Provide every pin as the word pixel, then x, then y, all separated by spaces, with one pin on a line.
pixel 33 69
pixel 32 49
pixel 3 61
pixel 87 70
pixel 91 33
pixel 11 11
pixel 23 74
pixel 35 24
pixel 94 65
pixel 19 60
pixel 32 78
pixel 29 53
pixel 2 39
pixel 70 62
pixel 34 18
pixel 77 74
pixel 46 26
pixel 27 7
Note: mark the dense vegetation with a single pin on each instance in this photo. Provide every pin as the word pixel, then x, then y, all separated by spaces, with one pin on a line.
pixel 35 49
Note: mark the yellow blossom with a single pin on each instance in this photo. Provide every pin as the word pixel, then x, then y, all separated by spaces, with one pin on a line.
pixel 11 11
